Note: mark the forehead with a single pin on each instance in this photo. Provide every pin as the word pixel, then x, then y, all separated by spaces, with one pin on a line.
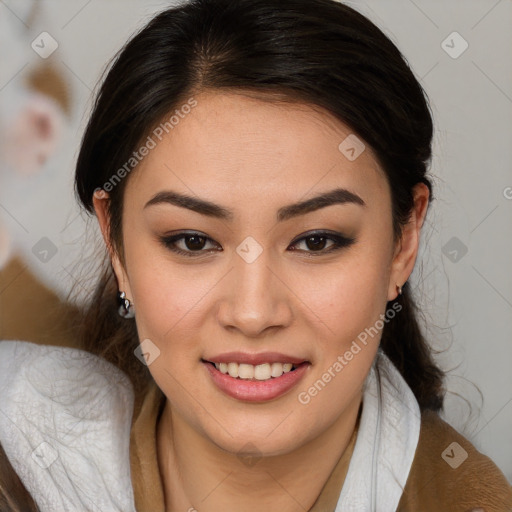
pixel 231 145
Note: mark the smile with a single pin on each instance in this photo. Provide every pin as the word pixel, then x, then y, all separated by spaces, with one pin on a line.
pixel 263 371
pixel 256 383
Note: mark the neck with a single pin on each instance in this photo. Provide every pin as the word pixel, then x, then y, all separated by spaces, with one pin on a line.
pixel 197 473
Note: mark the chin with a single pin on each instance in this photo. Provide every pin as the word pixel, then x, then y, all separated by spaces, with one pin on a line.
pixel 261 440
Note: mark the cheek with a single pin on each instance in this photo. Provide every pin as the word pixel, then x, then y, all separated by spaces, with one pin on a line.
pixel 347 297
pixel 166 301
pixel 351 305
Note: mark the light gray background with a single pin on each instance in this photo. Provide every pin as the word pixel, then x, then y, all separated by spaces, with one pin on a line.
pixel 467 302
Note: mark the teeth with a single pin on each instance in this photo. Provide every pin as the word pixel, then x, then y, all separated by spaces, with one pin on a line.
pixel 263 371
pixel 246 371
pixel 233 369
pixel 277 369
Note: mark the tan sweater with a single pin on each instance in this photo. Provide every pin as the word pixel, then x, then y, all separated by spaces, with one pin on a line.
pixel 433 485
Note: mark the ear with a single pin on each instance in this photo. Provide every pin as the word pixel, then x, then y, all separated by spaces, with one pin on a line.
pixel 101 201
pixel 406 249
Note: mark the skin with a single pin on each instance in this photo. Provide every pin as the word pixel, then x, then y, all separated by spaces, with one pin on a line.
pixel 254 157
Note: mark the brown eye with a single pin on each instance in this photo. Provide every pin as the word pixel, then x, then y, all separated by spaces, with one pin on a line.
pixel 190 243
pixel 316 242
pixel 194 242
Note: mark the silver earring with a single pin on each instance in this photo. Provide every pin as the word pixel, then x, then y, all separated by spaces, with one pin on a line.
pixel 399 289
pixel 126 308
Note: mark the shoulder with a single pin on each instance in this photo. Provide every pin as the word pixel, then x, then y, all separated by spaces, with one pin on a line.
pixel 23 362
pixel 449 474
pixel 68 412
pixel 60 378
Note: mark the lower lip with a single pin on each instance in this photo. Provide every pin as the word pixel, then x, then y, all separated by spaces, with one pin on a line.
pixel 256 390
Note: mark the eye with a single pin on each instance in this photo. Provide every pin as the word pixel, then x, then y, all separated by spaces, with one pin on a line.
pixel 191 243
pixel 315 242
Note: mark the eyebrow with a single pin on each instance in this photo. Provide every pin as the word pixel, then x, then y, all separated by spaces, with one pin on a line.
pixel 336 196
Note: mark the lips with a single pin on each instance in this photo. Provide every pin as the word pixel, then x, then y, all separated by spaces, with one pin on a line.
pixel 254 359
pixel 255 383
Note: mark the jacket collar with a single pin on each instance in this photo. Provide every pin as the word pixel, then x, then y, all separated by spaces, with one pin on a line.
pixel 388 436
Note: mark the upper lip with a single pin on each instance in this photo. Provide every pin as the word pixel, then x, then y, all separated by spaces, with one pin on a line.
pixel 254 359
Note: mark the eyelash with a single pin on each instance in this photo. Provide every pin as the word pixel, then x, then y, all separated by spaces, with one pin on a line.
pixel 340 242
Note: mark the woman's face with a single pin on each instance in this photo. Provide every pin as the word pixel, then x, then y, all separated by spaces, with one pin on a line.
pixel 252 286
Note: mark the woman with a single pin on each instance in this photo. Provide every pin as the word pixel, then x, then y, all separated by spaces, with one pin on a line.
pixel 258 172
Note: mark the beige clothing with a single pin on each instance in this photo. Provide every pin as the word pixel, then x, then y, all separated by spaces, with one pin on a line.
pixel 432 485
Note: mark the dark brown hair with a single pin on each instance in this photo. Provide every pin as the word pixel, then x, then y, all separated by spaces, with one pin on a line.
pixel 317 52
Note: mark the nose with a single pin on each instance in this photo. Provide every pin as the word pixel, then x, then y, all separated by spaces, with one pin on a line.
pixel 256 298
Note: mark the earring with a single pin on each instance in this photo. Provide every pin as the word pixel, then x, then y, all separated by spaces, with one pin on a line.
pixel 126 308
pixel 399 290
